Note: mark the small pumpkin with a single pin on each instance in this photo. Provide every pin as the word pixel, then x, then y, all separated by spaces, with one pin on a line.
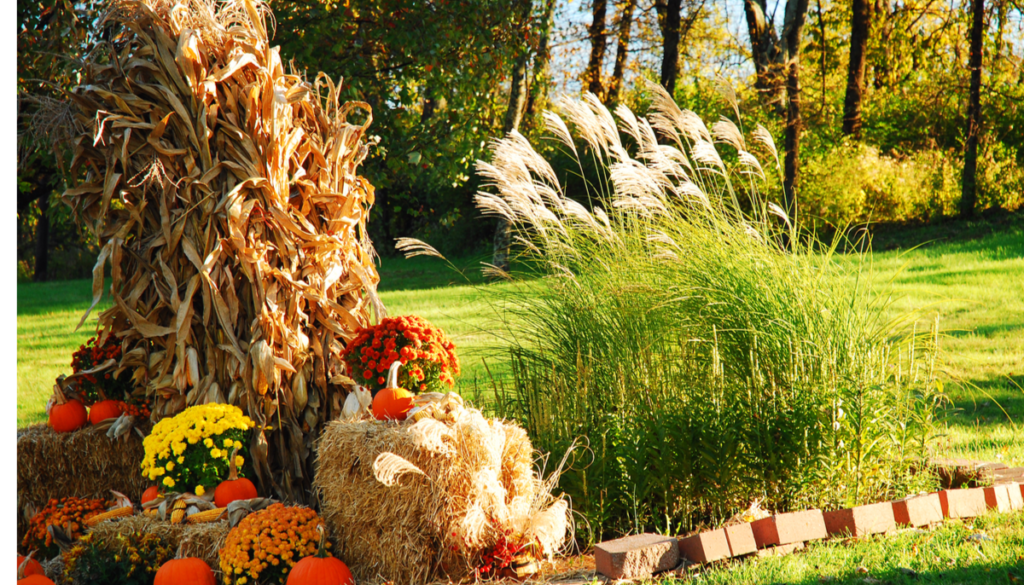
pixel 150 494
pixel 104 410
pixel 29 566
pixel 234 487
pixel 189 570
pixel 66 415
pixel 392 402
pixel 320 569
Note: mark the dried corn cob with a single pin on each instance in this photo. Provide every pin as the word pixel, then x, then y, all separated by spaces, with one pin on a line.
pixel 178 512
pixel 207 516
pixel 115 513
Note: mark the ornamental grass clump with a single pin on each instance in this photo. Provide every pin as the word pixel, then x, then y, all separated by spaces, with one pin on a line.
pixel 190 451
pixel 703 348
pixel 429 356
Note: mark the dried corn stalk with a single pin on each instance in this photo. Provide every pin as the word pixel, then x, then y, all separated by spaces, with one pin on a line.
pixel 225 196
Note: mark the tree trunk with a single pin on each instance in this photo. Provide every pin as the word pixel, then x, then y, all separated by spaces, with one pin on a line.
pixel 625 24
pixel 669 21
pixel 540 81
pixel 598 42
pixel 513 116
pixel 796 11
pixel 42 240
pixel 860 30
pixel 969 194
pixel 764 50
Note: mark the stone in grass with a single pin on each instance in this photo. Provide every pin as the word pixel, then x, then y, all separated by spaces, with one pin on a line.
pixel 1013 495
pixel 780 550
pixel 741 540
pixel 920 510
pixel 705 547
pixel 789 528
pixel 1004 497
pixel 636 556
pixel 861 520
pixel 965 503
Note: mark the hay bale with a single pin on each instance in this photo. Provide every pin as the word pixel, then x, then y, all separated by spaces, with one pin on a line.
pixel 417 502
pixel 192 540
pixel 83 464
pixel 195 540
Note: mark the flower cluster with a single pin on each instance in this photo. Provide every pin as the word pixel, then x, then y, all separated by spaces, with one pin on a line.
pixel 130 560
pixel 104 385
pixel 429 356
pixel 68 514
pixel 500 556
pixel 266 544
pixel 190 450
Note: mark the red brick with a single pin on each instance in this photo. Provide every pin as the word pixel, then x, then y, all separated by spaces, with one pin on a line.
pixel 919 510
pixel 860 521
pixel 636 556
pixel 789 528
pixel 705 547
pixel 1016 496
pixel 966 503
pixel 741 539
pixel 997 497
pixel 781 550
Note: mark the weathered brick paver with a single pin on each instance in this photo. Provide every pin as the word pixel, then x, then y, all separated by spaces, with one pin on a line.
pixel 637 556
pixel 861 520
pixel 741 539
pixel 920 510
pixel 789 528
pixel 966 503
pixel 705 547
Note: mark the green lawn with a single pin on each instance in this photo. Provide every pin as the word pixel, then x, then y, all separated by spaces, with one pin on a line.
pixel 976 286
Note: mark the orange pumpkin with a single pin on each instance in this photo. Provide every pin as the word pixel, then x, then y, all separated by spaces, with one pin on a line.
pixel 320 569
pixel 29 566
pixel 234 487
pixel 188 570
pixel 105 409
pixel 66 415
pixel 36 580
pixel 150 494
pixel 392 402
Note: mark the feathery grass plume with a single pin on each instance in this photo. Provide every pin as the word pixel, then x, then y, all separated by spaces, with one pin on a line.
pixel 711 350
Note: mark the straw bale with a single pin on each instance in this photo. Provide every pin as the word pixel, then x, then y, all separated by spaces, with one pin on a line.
pixel 224 192
pixel 195 540
pixel 83 464
pixel 452 490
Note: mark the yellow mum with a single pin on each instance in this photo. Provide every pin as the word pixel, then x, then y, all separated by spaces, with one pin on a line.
pixel 200 490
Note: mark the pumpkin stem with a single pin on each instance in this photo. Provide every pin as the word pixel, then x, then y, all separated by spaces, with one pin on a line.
pixel 61 398
pixel 393 374
pixel 232 468
pixel 321 552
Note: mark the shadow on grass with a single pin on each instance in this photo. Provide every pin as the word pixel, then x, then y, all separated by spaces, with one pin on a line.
pixel 989 402
pixel 980 574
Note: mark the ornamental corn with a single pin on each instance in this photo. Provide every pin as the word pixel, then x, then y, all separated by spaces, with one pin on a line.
pixel 115 513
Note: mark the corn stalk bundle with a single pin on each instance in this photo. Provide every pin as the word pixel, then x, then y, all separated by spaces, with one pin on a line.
pixel 225 196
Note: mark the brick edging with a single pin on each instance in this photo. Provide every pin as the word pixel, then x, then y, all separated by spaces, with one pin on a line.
pixel 644 555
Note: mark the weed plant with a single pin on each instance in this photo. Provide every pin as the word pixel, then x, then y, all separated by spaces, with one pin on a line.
pixel 701 350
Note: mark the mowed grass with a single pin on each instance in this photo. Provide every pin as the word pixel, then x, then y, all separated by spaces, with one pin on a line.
pixel 976 287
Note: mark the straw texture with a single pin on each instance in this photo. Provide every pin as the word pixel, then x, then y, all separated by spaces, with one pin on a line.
pixel 83 464
pixel 224 194
pixel 416 502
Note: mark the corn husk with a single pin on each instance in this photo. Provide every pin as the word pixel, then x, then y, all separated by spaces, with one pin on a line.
pixel 224 193
pixel 416 502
